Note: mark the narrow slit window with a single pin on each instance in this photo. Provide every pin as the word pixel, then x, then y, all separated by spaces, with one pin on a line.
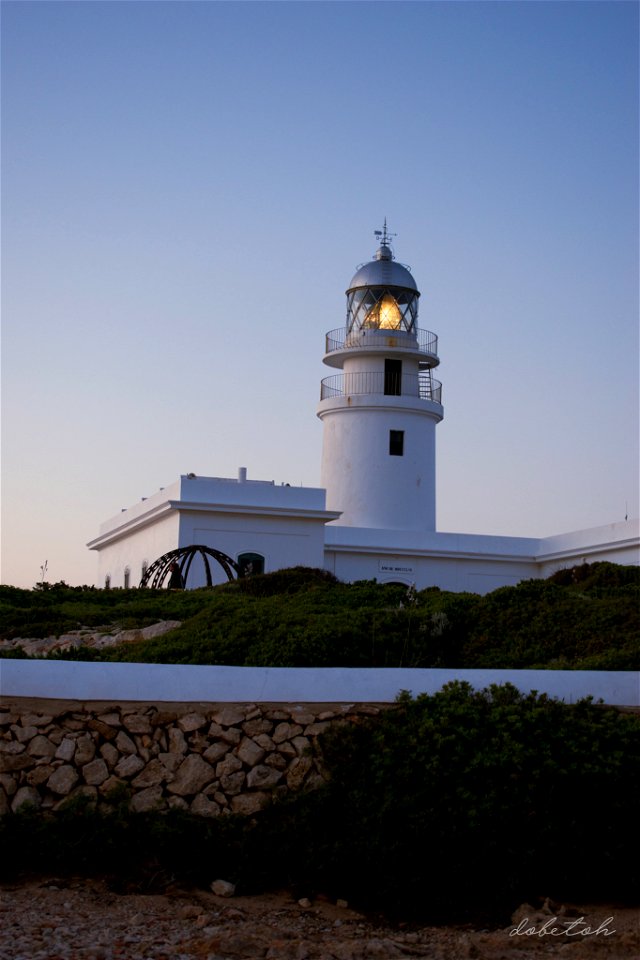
pixel 396 443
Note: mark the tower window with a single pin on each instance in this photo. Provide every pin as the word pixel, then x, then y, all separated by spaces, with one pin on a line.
pixel 127 577
pixel 393 377
pixel 396 443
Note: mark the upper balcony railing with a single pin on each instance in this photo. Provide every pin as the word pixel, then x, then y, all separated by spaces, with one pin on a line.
pixel 371 382
pixel 422 340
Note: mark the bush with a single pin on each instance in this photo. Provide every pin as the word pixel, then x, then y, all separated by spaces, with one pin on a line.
pixel 462 805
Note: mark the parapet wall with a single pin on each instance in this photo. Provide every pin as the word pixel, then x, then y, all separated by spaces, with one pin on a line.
pixel 210 759
pixel 212 740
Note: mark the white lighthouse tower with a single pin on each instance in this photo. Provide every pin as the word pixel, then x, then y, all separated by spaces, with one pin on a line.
pixel 379 415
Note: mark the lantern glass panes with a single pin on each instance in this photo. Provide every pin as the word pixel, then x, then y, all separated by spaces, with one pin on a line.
pixel 381 308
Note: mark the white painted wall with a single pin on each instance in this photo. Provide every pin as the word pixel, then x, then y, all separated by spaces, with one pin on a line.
pixel 144 544
pixel 282 541
pixel 63 680
pixel 370 487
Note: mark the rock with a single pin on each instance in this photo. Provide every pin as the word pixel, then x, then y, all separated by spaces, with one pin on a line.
pixel 198 742
pixel 147 800
pixel 177 803
pixel 286 731
pixel 177 742
pixel 287 750
pixel 254 727
pixel 159 629
pixel 229 765
pixel 162 718
pixel 315 729
pixel 302 745
pixel 170 760
pixel 216 751
pixel 39 774
pixel 4 803
pixel 264 740
pixel 136 723
pixel 204 807
pixel 125 744
pixel 153 774
pixel 250 753
pixel 110 719
pixel 304 902
pixel 104 729
pixel 110 754
pixel 248 804
pixel 66 749
pixel 8 784
pixel 12 747
pixel 26 796
pixel 230 716
pixel 85 750
pixel 129 766
pixel 95 772
pixel 37 720
pixel 192 775
pixel 21 761
pixel 229 734
pixel 63 780
pixel 342 904
pixel 277 761
pixel 233 783
pixel 222 888
pixel 298 770
pixel 191 721
pixel 113 783
pixel 263 777
pixel 23 734
pixel 302 716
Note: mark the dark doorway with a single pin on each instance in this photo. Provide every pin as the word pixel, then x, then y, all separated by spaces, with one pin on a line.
pixel 393 377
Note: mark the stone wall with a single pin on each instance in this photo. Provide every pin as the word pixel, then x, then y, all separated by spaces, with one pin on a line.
pixel 211 759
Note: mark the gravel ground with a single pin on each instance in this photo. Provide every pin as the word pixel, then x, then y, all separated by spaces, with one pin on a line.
pixel 80 919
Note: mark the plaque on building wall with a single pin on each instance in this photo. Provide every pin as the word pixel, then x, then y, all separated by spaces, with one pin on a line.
pixel 396 567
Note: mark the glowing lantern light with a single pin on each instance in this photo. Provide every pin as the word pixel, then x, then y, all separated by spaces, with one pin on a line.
pixel 385 315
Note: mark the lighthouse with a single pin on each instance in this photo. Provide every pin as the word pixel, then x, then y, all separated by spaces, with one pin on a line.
pixel 379 414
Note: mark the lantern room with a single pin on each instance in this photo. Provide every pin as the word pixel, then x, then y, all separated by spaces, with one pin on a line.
pixel 382 295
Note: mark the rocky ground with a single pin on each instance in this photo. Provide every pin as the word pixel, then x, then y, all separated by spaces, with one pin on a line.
pixel 96 639
pixel 80 919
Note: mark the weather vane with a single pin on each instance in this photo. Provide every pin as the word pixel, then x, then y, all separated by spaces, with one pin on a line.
pixel 384 235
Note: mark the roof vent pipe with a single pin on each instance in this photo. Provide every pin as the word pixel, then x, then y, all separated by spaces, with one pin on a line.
pixel 242 474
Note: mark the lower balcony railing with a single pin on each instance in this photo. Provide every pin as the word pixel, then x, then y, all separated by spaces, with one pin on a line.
pixel 381 383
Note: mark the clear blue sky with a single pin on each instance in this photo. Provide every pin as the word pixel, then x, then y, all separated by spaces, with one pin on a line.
pixel 189 187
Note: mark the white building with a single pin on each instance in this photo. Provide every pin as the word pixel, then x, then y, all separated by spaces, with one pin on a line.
pixel 374 516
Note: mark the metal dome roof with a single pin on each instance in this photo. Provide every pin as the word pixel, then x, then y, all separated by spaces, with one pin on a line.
pixel 383 271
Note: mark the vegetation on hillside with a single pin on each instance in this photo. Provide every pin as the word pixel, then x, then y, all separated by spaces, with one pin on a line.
pixel 582 618
pixel 455 807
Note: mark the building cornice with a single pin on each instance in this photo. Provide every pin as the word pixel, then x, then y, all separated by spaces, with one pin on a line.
pixel 180 506
pixel 133 524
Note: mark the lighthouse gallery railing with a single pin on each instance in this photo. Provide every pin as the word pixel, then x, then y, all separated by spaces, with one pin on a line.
pixel 377 382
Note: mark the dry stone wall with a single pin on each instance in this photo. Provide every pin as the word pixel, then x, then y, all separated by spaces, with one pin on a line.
pixel 209 759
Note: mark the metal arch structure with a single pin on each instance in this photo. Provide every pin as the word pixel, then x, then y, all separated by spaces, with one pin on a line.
pixel 155 575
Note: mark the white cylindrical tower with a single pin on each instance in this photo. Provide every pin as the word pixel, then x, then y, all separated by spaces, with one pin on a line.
pixel 379 415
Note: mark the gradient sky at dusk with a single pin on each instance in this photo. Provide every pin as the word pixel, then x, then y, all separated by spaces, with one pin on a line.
pixel 188 188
